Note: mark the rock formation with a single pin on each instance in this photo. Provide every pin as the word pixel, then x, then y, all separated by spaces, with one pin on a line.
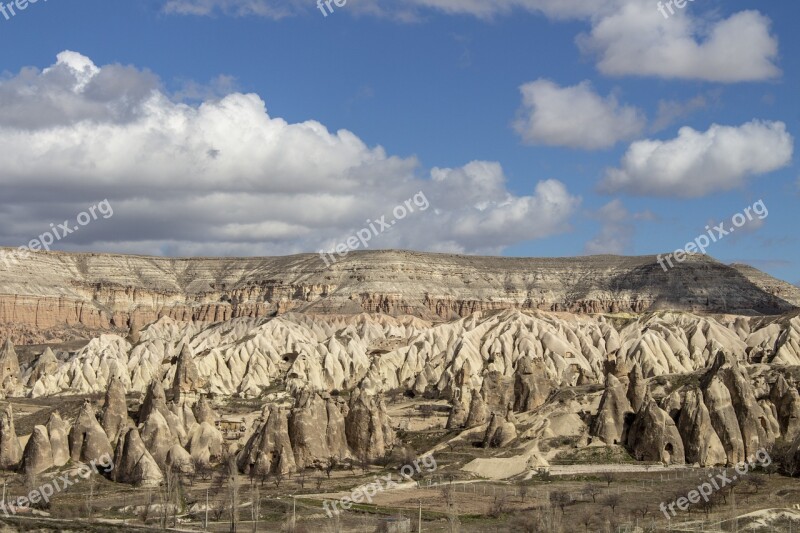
pixel 787 405
pixel 38 454
pixel 478 411
pixel 269 449
pixel 531 385
pixel 205 443
pixel 46 365
pixel 108 291
pixel 133 464
pixel 317 430
pixel 57 432
pixel 614 410
pixel 499 433
pixel 637 388
pixel 203 412
pixel 10 449
pixel 654 437
pixel 368 428
pixel 187 383
pixel 115 410
pixel 87 440
pixel 9 369
pixel 701 443
pixel 497 391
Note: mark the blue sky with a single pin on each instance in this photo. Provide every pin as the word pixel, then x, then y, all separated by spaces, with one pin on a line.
pixel 534 127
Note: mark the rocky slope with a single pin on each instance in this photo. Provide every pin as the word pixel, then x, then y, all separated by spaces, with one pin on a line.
pixel 669 386
pixel 59 295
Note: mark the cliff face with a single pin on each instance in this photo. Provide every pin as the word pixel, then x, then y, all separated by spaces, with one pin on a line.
pixel 57 294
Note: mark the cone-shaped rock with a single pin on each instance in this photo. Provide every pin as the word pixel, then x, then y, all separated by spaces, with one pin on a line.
pixel 187 383
pixel 637 387
pixel 531 385
pixel 458 416
pixel 367 426
pixel 308 427
pixel 499 433
pixel 497 391
pixel 723 419
pixel 180 460
pixel 9 367
pixel 87 440
pixel 46 365
pixel 653 436
pixel 203 412
pixel 154 400
pixel 157 436
pixel 269 449
pixel 10 449
pixel 205 443
pixel 57 432
pixel 701 442
pixel 613 411
pixel 133 464
pixel 787 407
pixel 478 411
pixel 38 454
pixel 115 410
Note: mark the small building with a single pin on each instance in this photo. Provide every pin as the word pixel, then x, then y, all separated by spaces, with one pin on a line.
pixel 231 429
pixel 394 524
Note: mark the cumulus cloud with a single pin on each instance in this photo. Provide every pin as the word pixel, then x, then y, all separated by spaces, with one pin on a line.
pixel 576 117
pixel 225 177
pixel 636 40
pixel 699 163
pixel 628 37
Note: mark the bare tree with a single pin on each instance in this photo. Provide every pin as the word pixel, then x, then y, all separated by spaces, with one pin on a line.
pixel 642 510
pixel 608 477
pixel 232 474
pixel 589 520
pixel 498 506
pixel 560 499
pixel 593 491
pixel 453 520
pixel 330 465
pixel 612 501
pixel 255 506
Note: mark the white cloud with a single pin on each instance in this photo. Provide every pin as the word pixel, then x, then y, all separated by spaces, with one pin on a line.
pixel 225 177
pixel 628 37
pixel 574 116
pixel 637 41
pixel 699 163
